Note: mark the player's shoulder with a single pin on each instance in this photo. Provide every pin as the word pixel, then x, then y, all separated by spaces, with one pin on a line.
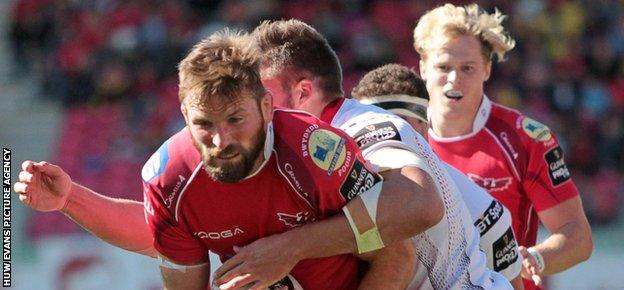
pixel 311 153
pixel 370 125
pixel 172 165
pixel 530 131
pixel 297 126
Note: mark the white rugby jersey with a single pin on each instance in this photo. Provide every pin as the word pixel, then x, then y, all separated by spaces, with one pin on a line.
pixel 448 253
pixel 493 221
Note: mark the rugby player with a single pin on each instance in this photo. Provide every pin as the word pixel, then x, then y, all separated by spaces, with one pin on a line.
pixel 517 159
pixel 302 71
pixel 400 90
pixel 228 178
pixel 177 227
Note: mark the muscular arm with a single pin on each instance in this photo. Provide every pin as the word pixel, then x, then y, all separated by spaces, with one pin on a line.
pixel 409 204
pixel 570 242
pixel 46 187
pixel 119 222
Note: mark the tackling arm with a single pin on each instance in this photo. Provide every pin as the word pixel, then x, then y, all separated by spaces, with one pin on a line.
pixel 408 205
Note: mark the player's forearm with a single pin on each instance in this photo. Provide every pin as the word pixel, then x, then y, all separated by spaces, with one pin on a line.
pixel 566 247
pixel 408 205
pixel 119 222
pixel 324 238
pixel 392 267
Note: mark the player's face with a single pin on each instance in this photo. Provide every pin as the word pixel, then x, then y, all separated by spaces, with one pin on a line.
pixel 455 71
pixel 229 137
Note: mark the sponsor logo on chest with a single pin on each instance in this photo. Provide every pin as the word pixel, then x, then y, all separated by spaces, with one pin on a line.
pixel 489 217
pixel 491 184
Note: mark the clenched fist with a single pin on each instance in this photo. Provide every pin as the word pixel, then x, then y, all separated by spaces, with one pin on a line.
pixel 43 186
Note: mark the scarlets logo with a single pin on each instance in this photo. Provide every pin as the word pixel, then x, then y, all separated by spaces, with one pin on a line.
pixel 295 220
pixel 491 184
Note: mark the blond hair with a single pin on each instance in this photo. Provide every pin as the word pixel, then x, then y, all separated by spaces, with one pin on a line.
pixel 450 20
pixel 221 66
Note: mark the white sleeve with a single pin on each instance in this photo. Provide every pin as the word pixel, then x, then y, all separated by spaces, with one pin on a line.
pixel 387 158
pixel 493 222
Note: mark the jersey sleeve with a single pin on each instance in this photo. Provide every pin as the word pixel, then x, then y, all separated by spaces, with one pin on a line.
pixel 322 163
pixel 547 181
pixel 171 238
pixel 351 176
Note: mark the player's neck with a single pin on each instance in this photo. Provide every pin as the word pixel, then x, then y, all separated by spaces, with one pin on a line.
pixel 321 105
pixel 452 125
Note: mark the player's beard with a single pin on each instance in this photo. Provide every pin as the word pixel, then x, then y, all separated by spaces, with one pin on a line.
pixel 231 171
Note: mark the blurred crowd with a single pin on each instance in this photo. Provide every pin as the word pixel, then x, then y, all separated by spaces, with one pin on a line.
pixel 112 63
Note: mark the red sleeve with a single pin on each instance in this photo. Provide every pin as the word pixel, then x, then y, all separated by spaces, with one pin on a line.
pixel 171 238
pixel 160 173
pixel 547 181
pixel 336 166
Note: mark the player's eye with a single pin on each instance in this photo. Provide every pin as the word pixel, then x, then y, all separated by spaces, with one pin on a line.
pixel 235 120
pixel 443 67
pixel 203 123
pixel 468 68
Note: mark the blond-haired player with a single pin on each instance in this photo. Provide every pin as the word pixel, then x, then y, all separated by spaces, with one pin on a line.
pixel 517 159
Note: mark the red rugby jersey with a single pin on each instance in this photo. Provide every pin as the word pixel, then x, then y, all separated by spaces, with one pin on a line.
pixel 515 158
pixel 313 171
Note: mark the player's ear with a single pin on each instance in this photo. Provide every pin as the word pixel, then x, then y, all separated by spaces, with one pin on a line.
pixel 304 90
pixel 488 70
pixel 266 106
pixel 184 112
pixel 422 68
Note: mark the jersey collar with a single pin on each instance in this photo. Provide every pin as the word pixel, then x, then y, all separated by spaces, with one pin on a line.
pixel 329 112
pixel 268 149
pixel 483 113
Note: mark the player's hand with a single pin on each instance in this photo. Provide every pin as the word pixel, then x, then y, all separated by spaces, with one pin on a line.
pixel 262 263
pixel 530 268
pixel 43 186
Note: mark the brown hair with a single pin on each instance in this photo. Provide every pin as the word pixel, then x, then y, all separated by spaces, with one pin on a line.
pixel 223 66
pixel 296 50
pixel 390 79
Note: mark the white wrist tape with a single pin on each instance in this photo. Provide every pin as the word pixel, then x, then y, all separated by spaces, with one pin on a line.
pixel 541 265
pixel 173 266
pixel 362 216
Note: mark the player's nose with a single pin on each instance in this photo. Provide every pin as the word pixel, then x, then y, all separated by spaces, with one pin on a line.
pixel 221 139
pixel 452 76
